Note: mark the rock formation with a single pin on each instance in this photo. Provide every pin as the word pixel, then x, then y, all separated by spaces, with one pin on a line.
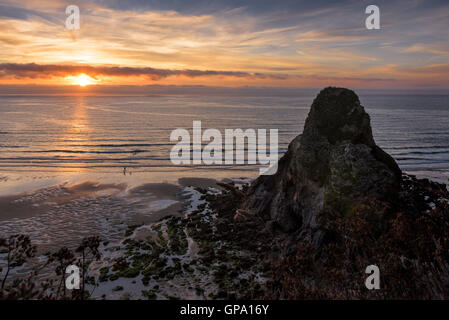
pixel 330 168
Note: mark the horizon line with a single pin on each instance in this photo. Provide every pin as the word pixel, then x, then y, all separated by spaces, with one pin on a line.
pixel 164 90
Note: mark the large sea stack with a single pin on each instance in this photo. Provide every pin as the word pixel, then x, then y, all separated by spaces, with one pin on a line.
pixel 338 204
pixel 333 166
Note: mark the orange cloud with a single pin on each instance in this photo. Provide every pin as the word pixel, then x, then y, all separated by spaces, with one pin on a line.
pixel 228 48
pixel 33 71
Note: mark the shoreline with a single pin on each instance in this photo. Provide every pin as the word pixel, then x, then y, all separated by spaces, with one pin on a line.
pixel 144 203
pixel 204 252
pixel 157 229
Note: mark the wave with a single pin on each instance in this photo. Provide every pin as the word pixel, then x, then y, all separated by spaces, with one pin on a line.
pixel 422 160
pixel 417 147
pixel 86 152
pixel 421 153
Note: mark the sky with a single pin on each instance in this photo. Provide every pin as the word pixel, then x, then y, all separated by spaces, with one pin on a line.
pixel 226 43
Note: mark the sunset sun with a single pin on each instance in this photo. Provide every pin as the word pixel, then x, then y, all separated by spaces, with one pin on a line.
pixel 81 80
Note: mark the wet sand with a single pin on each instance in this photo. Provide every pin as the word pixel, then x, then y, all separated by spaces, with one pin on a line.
pixel 62 214
pixel 26 205
pixel 198 182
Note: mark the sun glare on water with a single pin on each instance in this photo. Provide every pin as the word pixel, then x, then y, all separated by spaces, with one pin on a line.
pixel 81 80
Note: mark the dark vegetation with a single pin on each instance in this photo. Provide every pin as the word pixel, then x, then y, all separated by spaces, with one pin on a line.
pixel 19 250
pixel 408 239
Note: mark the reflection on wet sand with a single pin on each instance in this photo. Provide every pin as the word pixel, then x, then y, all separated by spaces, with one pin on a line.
pixel 62 214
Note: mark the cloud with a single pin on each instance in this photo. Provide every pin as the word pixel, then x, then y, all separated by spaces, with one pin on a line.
pixel 38 71
pixel 13 41
pixel 14 12
pixel 225 42
pixel 358 79
pixel 33 70
pixel 431 70
pixel 435 48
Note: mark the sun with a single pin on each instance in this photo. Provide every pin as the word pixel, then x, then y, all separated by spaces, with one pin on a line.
pixel 81 80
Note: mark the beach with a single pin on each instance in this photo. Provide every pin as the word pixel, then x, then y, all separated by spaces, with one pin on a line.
pixel 104 169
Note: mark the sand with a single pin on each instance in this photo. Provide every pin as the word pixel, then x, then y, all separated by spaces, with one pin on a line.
pixel 62 214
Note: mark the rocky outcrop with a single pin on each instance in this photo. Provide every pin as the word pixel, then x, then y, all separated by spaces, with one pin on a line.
pixel 333 166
